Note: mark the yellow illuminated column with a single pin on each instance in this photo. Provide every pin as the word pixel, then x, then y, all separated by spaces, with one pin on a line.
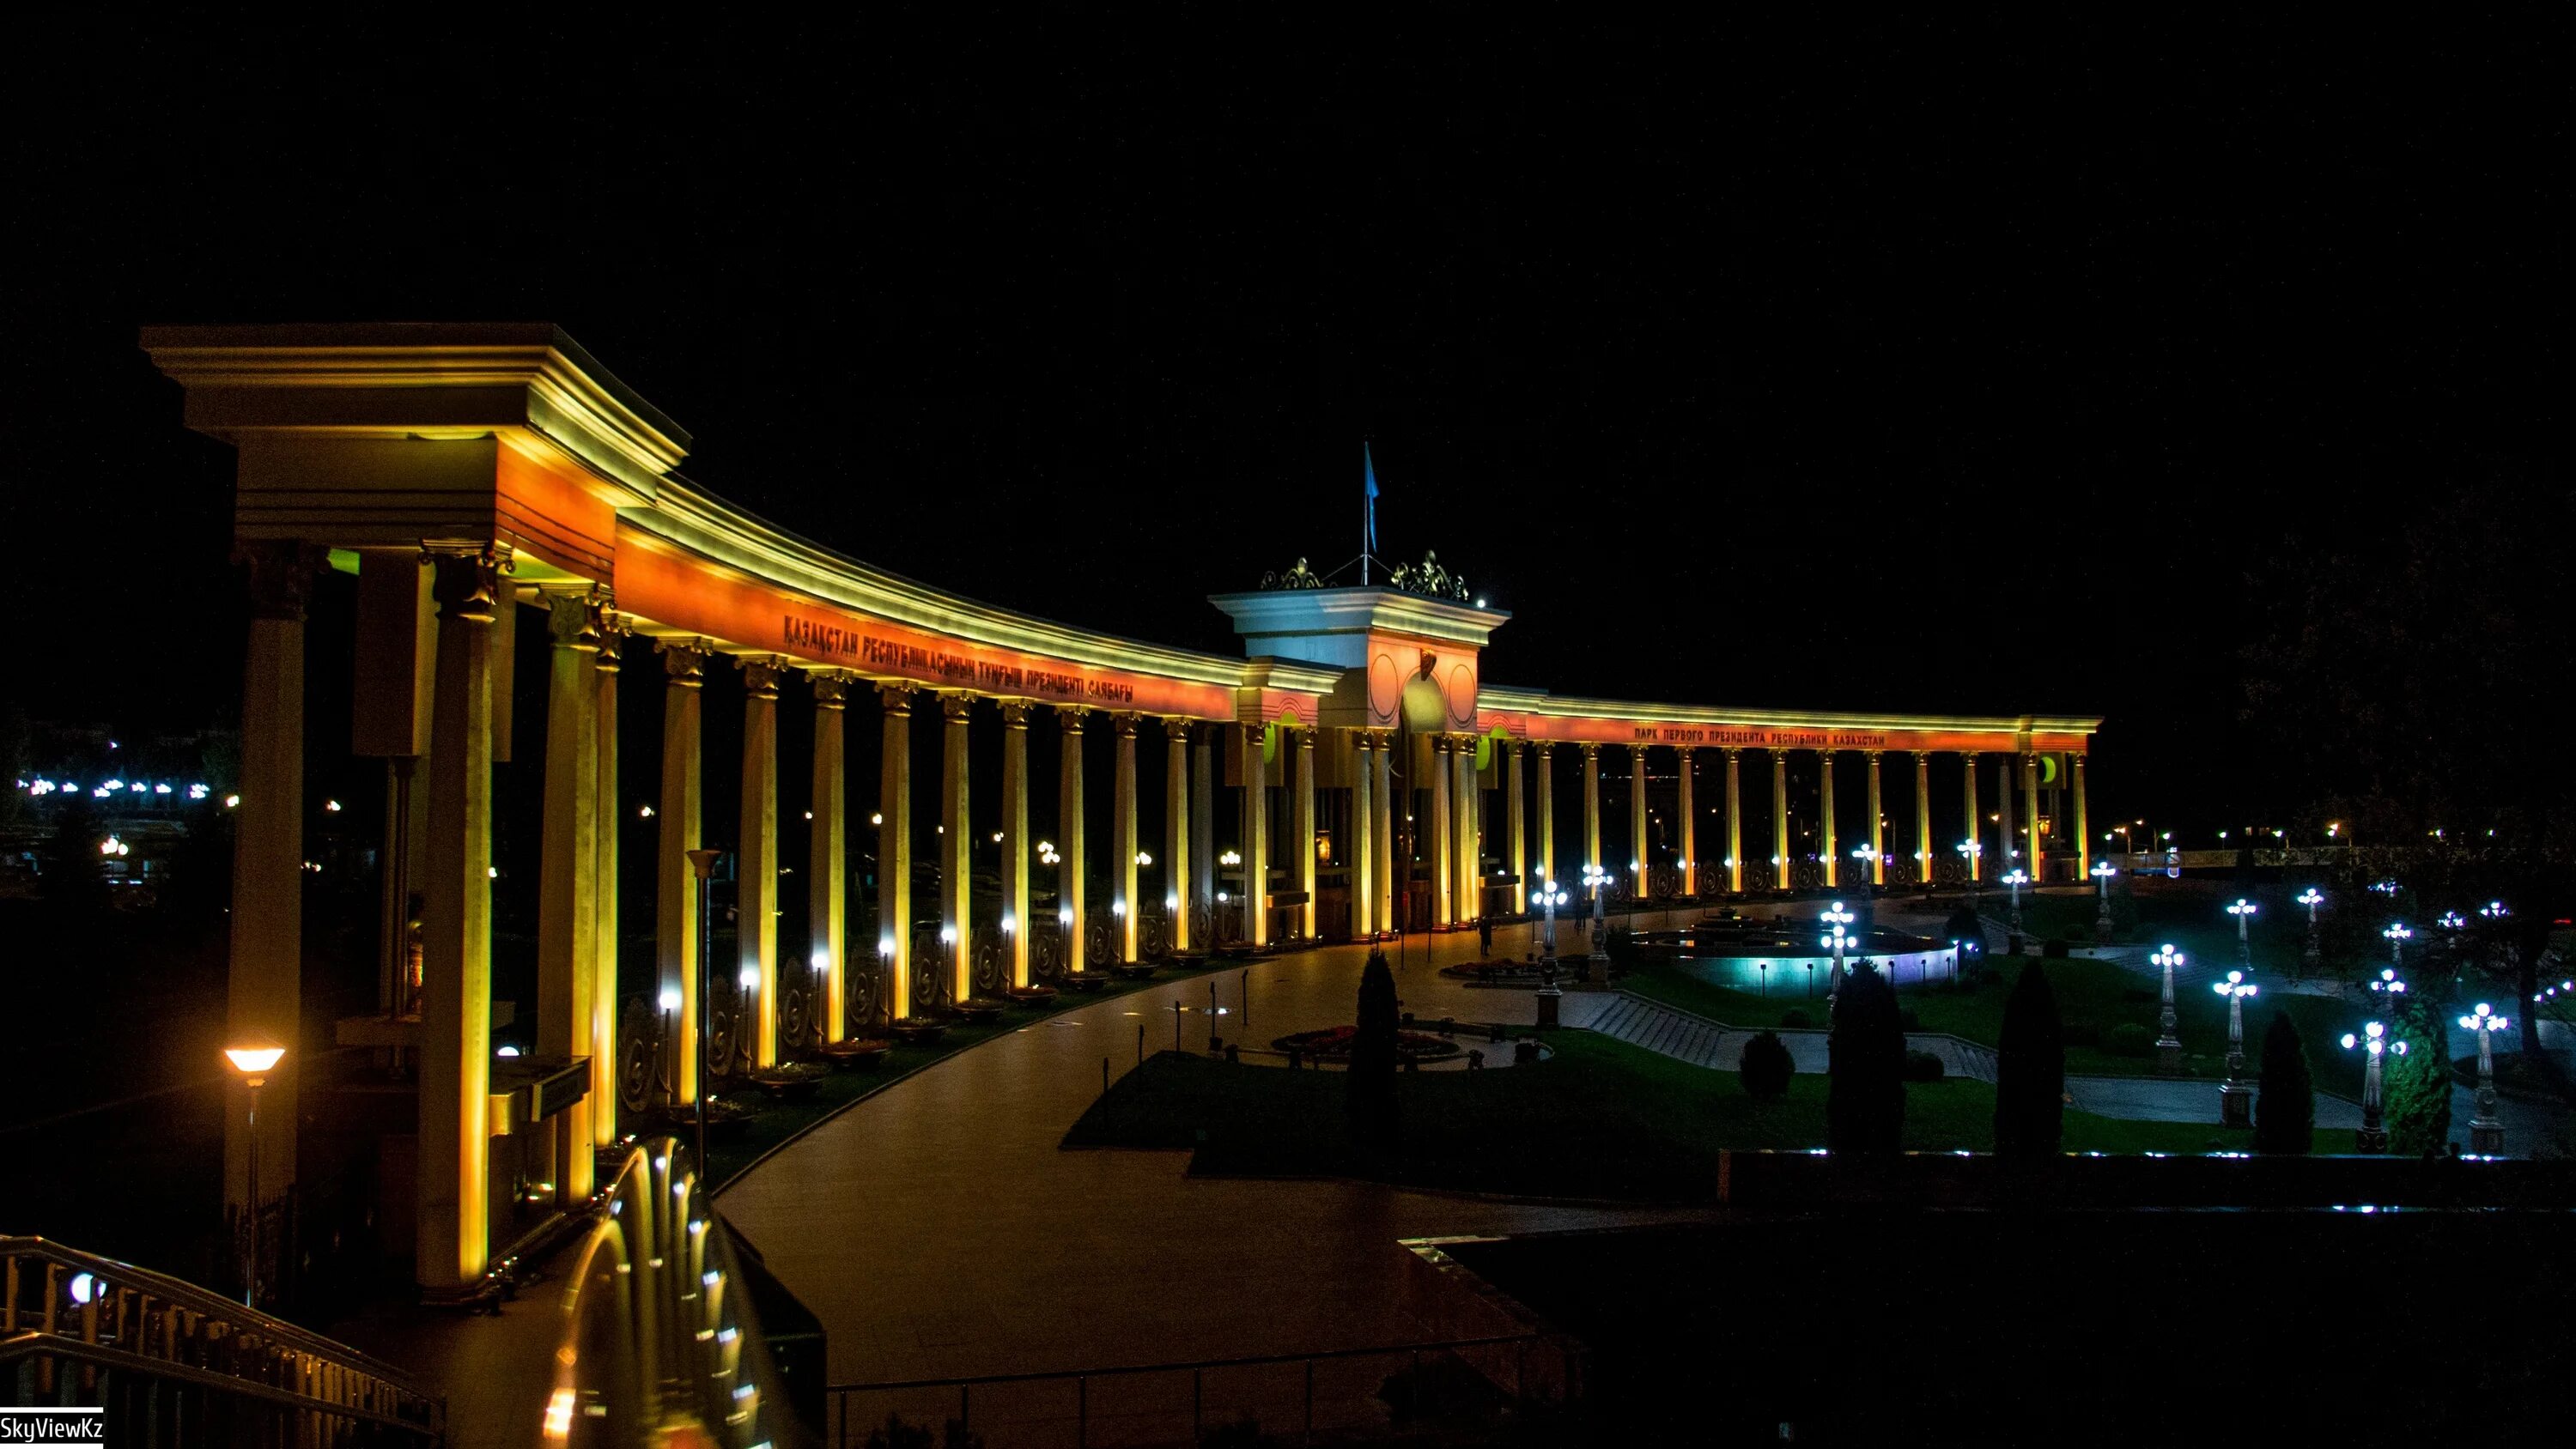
pixel 567 916
pixel 755 871
pixel 894 851
pixel 1734 820
pixel 1877 827
pixel 956 848
pixel 1469 896
pixel 1514 818
pixel 1591 804
pixel 1969 758
pixel 1176 830
pixel 1443 851
pixel 1780 819
pixel 1256 839
pixel 1825 808
pixel 1017 849
pixel 1203 883
pixel 1363 843
pixel 2004 813
pixel 603 998
pixel 2083 826
pixel 1686 836
pixel 827 856
pixel 1923 817
pixel 1546 811
pixel 1068 830
pixel 1301 815
pixel 452 1240
pixel 2030 817
pixel 264 997
pixel 1123 905
pixel 675 885
pixel 1637 820
pixel 1382 786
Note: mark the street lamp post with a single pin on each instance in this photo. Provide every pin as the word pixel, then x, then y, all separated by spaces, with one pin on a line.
pixel 2016 879
pixel 2373 1136
pixel 2103 870
pixel 1551 896
pixel 2308 953
pixel 2236 1099
pixel 1835 940
pixel 2397 936
pixel 2168 1043
pixel 1598 880
pixel 2243 910
pixel 254 1059
pixel 2486 1132
pixel 1969 850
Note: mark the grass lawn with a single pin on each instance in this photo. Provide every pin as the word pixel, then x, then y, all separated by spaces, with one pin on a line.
pixel 2092 998
pixel 1601 1119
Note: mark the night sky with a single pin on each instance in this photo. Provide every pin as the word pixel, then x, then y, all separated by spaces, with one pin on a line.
pixel 1977 371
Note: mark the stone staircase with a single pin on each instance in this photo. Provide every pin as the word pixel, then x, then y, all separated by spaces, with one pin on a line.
pixel 1687 1037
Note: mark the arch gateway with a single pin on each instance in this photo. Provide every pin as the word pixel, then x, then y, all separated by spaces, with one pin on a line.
pixel 481 479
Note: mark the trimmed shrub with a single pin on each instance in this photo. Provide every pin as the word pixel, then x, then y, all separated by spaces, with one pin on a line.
pixel 2129 1039
pixel 1966 927
pixel 1796 1019
pixel 1766 1068
pixel 2415 1089
pixel 1912 1019
pixel 1924 1067
pixel 2030 1070
pixel 1865 1101
pixel 1621 947
pixel 1369 1086
pixel 2053 949
pixel 2285 1109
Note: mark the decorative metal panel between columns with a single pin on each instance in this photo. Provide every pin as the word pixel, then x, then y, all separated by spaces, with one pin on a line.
pixel 1177 866
pixel 1734 820
pixel 1068 830
pixel 1591 805
pixel 1924 859
pixel 604 897
pixel 827 855
pixel 1256 838
pixel 1382 767
pixel 755 861
pixel 2038 843
pixel 264 995
pixel 1203 882
pixel 1363 841
pixel 1637 848
pixel 1123 905
pixel 2083 824
pixel 1017 849
pixel 1780 819
pixel 1547 812
pixel 1443 851
pixel 1825 809
pixel 1969 759
pixel 567 912
pixel 894 851
pixel 675 885
pixel 1686 839
pixel 956 848
pixel 452 1246
pixel 1301 816
pixel 1513 825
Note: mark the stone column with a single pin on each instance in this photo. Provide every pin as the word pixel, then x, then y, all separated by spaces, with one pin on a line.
pixel 1256 839
pixel 1877 826
pixel 755 865
pixel 2037 846
pixel 1068 829
pixel 1591 804
pixel 894 850
pixel 453 1233
pixel 603 999
pixel 1547 812
pixel 1017 849
pixel 1780 819
pixel 1301 816
pixel 1123 904
pixel 263 992
pixel 1969 759
pixel 2083 825
pixel 1176 831
pixel 1444 854
pixel 1638 849
pixel 956 848
pixel 675 885
pixel 1923 816
pixel 827 856
pixel 1734 820
pixel 2004 808
pixel 568 885
pixel 1203 884
pixel 1469 896
pixel 1825 809
pixel 1382 786
pixel 1514 817
pixel 1686 839
pixel 1363 844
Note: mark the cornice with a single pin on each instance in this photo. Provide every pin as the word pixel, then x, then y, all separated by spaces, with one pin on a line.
pixel 1540 702
pixel 1271 612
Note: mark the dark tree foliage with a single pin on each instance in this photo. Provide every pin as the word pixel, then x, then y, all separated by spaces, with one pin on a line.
pixel 2285 1109
pixel 1370 1082
pixel 1766 1067
pixel 2415 1089
pixel 2030 1069
pixel 75 874
pixel 1865 1098
pixel 1966 927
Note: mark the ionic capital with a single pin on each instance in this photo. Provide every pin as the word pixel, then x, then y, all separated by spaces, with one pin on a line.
pixel 957 705
pixel 1589 751
pixel 1015 714
pixel 685 660
pixel 1068 717
pixel 613 629
pixel 282 571
pixel 465 578
pixel 1124 723
pixel 831 688
pixel 897 699
pixel 573 617
pixel 760 674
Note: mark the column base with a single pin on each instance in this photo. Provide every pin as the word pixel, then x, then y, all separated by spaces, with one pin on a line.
pixel 2486 1139
pixel 1549 999
pixel 2373 1140
pixel 2168 1057
pixel 2236 1105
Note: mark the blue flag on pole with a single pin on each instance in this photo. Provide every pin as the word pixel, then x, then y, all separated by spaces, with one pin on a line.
pixel 1368 474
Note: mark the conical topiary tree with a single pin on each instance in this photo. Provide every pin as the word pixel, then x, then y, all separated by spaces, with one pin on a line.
pixel 1370 1082
pixel 2285 1111
pixel 2415 1089
pixel 1865 1097
pixel 2030 1070
pixel 1766 1067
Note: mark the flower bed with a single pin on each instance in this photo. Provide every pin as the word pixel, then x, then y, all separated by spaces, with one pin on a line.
pixel 857 1051
pixel 1333 1044
pixel 1501 973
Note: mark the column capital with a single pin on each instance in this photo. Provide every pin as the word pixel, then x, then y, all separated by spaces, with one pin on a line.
pixel 1068 717
pixel 1968 755
pixel 1684 752
pixel 1124 723
pixel 896 697
pixel 1872 755
pixel 282 574
pixel 831 688
pixel 1306 739
pixel 1733 753
pixel 1015 713
pixel 574 616
pixel 1920 756
pixel 1589 750
pixel 760 674
pixel 1176 727
pixel 685 660
pixel 2078 758
pixel 1441 744
pixel 465 579
pixel 956 705
pixel 613 630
